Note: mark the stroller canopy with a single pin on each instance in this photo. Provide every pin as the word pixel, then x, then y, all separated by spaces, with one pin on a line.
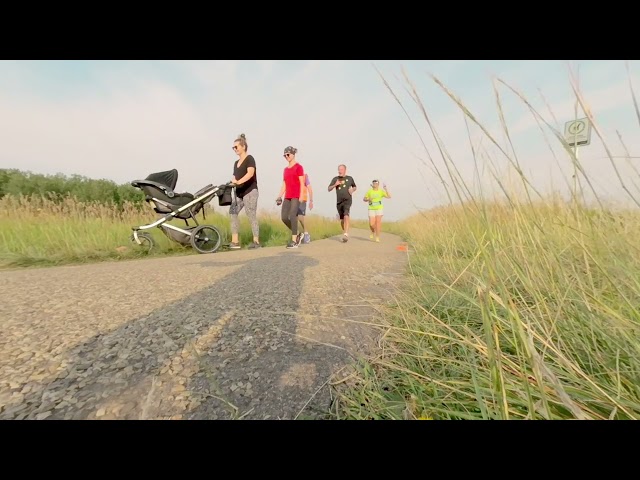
pixel 168 178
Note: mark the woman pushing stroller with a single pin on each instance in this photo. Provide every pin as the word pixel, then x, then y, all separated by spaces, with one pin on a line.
pixel 245 179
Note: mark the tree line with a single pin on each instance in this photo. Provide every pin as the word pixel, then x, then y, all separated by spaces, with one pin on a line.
pixel 16 182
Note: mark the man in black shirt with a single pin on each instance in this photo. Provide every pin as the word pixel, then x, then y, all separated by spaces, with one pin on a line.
pixel 345 187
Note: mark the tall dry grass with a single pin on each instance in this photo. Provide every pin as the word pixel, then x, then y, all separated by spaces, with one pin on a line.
pixel 40 231
pixel 520 307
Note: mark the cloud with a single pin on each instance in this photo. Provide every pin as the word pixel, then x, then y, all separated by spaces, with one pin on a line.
pixel 107 137
pixel 145 118
pixel 124 120
pixel 606 93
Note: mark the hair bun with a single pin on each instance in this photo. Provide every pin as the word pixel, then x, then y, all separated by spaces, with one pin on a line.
pixel 242 135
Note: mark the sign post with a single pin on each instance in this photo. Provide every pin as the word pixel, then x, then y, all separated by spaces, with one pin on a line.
pixel 577 133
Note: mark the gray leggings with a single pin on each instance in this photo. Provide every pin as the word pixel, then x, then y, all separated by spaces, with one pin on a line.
pixel 250 202
pixel 290 214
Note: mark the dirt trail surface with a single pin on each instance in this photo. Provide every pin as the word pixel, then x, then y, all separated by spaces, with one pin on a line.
pixel 241 334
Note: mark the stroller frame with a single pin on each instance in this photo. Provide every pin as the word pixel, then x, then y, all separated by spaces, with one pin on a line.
pixel 195 236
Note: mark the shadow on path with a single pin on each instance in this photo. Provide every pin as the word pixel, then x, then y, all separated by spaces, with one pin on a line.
pixel 218 353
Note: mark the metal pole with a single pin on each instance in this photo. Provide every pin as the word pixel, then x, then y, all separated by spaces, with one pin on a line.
pixel 576 151
pixel 575 140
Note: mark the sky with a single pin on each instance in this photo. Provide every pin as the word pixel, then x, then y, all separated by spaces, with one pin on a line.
pixel 123 120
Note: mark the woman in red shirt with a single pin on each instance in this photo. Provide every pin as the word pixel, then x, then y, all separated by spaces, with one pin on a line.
pixel 291 190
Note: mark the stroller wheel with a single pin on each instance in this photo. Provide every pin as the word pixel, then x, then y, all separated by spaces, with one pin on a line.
pixel 146 241
pixel 206 239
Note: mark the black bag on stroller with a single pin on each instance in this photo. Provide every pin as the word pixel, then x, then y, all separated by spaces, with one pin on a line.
pixel 225 196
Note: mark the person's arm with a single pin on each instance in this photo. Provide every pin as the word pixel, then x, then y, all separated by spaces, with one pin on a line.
pixel 310 192
pixel 283 189
pixel 353 187
pixel 386 192
pixel 251 169
pixel 366 197
pixel 247 177
pixel 334 183
pixel 301 179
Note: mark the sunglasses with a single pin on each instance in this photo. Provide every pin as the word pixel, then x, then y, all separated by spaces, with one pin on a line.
pixel 286 155
pixel 235 147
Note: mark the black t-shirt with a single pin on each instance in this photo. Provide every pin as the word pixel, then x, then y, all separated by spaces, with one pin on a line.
pixel 342 192
pixel 252 183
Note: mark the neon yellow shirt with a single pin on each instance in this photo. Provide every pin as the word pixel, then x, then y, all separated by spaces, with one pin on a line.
pixel 375 198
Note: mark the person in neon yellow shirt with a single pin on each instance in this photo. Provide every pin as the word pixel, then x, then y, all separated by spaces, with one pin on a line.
pixel 374 197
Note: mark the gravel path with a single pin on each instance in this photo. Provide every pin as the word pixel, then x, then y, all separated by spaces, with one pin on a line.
pixel 241 334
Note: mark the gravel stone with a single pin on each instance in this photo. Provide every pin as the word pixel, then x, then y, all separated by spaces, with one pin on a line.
pixel 172 338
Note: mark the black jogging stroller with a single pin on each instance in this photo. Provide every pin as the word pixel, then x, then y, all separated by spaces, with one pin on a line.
pixel 159 190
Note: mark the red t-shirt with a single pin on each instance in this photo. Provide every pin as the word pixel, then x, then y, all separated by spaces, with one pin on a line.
pixel 291 179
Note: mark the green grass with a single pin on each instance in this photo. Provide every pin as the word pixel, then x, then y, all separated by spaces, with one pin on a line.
pixel 523 306
pixel 36 231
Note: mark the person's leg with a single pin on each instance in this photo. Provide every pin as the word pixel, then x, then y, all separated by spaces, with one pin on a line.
pixel 251 204
pixel 292 221
pixel 302 210
pixel 302 233
pixel 341 212
pixel 293 217
pixel 346 209
pixel 234 209
pixel 378 225
pixel 284 212
pixel 306 238
pixel 372 223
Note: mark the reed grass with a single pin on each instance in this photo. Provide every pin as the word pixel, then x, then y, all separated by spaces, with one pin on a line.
pixel 41 231
pixel 516 306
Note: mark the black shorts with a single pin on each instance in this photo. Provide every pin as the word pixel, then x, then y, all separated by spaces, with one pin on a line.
pixel 302 208
pixel 343 208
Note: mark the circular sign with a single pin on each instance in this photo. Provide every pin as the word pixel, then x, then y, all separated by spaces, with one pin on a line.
pixel 577 128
